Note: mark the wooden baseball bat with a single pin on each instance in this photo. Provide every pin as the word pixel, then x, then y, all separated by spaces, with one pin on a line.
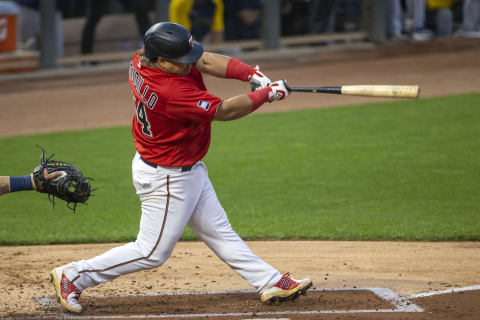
pixel 388 91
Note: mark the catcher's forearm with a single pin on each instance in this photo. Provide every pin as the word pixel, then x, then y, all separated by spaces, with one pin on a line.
pixel 12 184
pixel 4 185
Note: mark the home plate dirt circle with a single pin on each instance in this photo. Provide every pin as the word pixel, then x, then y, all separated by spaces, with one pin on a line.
pixel 325 303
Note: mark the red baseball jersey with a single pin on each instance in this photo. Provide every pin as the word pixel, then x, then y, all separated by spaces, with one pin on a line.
pixel 172 123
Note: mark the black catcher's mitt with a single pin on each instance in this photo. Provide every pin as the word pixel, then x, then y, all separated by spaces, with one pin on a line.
pixel 70 185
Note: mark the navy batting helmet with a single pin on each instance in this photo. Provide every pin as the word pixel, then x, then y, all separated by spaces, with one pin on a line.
pixel 173 42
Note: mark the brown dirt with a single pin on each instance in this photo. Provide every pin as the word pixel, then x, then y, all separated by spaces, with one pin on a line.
pixel 405 267
pixel 439 67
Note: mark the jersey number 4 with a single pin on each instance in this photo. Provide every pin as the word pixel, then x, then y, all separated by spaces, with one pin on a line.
pixel 142 118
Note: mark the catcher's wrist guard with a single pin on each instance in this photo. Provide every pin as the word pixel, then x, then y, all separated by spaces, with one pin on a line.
pixel 21 183
pixel 70 186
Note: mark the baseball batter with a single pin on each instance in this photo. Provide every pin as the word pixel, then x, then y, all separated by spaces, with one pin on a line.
pixel 171 129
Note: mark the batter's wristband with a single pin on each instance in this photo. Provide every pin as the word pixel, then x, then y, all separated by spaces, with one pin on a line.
pixel 237 69
pixel 259 97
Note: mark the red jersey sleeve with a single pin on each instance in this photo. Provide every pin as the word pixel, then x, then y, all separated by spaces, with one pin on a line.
pixel 189 102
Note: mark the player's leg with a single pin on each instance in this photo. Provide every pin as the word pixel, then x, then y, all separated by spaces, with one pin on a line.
pixel 159 232
pixel 210 223
pixel 168 199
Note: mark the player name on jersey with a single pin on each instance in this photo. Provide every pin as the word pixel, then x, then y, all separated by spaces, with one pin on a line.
pixel 138 81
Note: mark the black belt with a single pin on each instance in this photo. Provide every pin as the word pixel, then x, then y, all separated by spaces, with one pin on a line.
pixel 153 165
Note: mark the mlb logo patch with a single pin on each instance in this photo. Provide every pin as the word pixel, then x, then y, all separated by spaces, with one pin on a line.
pixel 205 105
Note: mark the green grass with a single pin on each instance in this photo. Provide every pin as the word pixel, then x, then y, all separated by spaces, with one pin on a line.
pixel 403 170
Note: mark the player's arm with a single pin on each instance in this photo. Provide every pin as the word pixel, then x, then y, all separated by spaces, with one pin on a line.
pixel 234 108
pixel 241 105
pixel 4 184
pixel 231 68
pixel 213 63
pixel 13 184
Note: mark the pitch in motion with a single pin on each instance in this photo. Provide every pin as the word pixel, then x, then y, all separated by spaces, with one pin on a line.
pixel 172 130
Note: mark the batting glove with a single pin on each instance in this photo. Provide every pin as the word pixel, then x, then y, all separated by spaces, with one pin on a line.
pixel 257 79
pixel 279 91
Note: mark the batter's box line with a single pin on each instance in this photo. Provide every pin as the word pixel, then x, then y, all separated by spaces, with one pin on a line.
pixel 434 293
pixel 401 304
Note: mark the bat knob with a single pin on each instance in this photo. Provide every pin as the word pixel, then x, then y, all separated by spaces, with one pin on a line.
pixel 286 85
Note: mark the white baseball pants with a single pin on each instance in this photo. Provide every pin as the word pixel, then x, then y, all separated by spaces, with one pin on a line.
pixel 170 200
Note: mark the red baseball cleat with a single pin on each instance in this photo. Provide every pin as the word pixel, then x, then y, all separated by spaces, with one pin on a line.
pixel 286 288
pixel 67 293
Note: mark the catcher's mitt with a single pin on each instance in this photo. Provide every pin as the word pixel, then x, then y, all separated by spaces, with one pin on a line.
pixel 70 185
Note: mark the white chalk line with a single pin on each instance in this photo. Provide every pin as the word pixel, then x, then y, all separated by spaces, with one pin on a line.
pixel 206 315
pixel 427 294
pixel 400 304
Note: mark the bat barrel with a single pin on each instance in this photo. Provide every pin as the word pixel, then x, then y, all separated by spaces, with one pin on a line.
pixel 388 91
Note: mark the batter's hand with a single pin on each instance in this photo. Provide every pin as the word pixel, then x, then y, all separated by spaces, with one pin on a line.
pixel 279 91
pixel 257 79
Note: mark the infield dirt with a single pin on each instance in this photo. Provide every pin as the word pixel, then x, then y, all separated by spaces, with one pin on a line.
pixel 439 67
pixel 405 267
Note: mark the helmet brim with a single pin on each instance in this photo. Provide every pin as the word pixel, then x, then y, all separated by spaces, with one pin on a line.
pixel 193 55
